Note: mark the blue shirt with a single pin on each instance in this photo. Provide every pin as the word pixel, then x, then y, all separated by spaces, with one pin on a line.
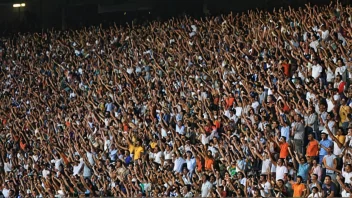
pixel 326 143
pixel 303 171
pixel 128 160
pixel 166 118
pixel 285 131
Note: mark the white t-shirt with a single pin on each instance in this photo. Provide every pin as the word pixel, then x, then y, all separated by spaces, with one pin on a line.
pixel 157 157
pixel 347 177
pixel 130 70
pixel 340 70
pixel 6 192
pixel 316 71
pixel 238 111
pixel 266 165
pixel 330 105
pixel 243 181
pixel 76 169
pixel 178 164
pixel 314 45
pixel 280 172
pixel 329 75
pixel 316 195
pixel 266 188
pixel 205 139
pixel 337 149
pixel 35 157
pixel 168 155
pixel 255 105
pixel 87 172
pixel 325 34
pixel 233 117
pixel 344 193
pixel 90 158
pixel 7 167
pixel 180 129
pixel 58 162
pixel 206 187
pixel 163 132
pixel 45 173
pixel 310 97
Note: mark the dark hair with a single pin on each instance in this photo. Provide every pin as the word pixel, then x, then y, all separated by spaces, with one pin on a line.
pixel 300 177
pixel 315 175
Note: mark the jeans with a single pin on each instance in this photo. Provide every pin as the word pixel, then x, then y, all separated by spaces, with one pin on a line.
pixel 321 159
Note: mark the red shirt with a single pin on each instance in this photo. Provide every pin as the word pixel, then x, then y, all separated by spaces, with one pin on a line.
pixel 341 87
pixel 286 69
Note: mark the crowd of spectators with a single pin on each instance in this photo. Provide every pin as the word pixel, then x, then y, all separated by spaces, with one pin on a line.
pixel 256 104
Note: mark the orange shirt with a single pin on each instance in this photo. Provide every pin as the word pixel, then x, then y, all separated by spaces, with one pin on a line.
pixel 229 102
pixel 284 150
pixel 217 124
pixel 312 148
pixel 125 127
pixel 298 190
pixel 22 145
pixel 208 163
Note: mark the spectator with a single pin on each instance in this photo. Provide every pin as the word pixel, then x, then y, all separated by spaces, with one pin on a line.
pixel 312 150
pixel 256 104
pixel 329 188
pixel 324 144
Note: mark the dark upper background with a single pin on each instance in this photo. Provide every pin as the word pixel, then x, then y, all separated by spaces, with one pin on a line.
pixel 61 14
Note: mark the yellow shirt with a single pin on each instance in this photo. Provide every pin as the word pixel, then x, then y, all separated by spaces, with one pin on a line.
pixel 344 111
pixel 153 144
pixel 341 138
pixel 137 152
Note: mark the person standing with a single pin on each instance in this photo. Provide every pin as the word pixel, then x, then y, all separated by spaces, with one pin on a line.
pixel 312 151
pixel 303 168
pixel 324 144
pixel 284 147
pixel 311 120
pixel 330 163
pixel 298 134
pixel 206 186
